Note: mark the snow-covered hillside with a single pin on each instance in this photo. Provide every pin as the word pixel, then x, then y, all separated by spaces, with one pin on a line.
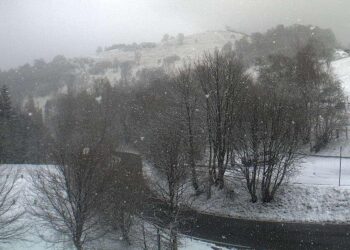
pixel 107 64
pixel 192 47
pixel 341 70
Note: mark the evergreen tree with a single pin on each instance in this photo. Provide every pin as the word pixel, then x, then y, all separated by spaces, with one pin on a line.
pixel 35 133
pixel 5 126
pixel 5 103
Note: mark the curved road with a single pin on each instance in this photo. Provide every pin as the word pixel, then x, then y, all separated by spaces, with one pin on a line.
pixel 257 234
pixel 271 235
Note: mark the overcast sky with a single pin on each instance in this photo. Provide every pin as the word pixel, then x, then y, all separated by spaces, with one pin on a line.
pixel 31 29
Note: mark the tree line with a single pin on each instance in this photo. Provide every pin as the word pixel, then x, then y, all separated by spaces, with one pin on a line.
pixel 220 117
pixel 23 135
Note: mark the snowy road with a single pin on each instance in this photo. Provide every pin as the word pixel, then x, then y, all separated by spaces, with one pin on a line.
pixel 270 235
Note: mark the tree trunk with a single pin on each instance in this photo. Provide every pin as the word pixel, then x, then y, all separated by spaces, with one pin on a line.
pixel 192 162
pixel 220 178
pixel 173 238
pixel 78 245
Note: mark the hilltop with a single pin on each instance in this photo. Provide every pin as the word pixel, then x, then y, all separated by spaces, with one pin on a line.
pixel 168 54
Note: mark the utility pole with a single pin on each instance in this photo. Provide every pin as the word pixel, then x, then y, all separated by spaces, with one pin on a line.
pixel 158 238
pixel 340 165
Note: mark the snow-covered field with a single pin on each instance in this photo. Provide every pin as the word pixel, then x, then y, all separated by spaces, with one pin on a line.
pixel 32 240
pixel 323 171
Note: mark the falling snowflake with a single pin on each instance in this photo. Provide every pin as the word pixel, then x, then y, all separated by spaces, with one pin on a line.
pixel 98 99
pixel 86 151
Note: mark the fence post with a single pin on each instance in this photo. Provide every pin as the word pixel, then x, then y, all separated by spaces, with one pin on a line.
pixel 346 132
pixel 340 165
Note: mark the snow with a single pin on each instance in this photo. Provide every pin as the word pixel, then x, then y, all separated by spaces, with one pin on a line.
pixel 98 99
pixel 323 171
pixel 339 54
pixel 193 47
pixel 341 70
pixel 294 203
pixel 34 242
pixel 195 244
pixel 304 202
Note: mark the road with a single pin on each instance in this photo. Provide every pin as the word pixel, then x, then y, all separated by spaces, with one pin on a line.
pixel 271 235
pixel 258 235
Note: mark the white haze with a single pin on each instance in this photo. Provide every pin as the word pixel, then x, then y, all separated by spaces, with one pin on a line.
pixel 32 29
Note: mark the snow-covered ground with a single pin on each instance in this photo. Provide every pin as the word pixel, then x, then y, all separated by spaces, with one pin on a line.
pixel 340 54
pixel 195 244
pixel 341 70
pixel 32 240
pixel 293 203
pixel 323 171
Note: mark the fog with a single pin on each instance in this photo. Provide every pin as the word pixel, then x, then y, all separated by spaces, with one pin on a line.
pixel 44 28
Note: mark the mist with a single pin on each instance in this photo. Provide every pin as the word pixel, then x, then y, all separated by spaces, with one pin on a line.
pixel 42 29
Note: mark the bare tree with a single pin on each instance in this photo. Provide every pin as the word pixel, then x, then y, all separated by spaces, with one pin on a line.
pixel 280 141
pixel 137 56
pixel 70 194
pixel 168 154
pixel 189 100
pixel 169 62
pixel 180 38
pixel 321 95
pixel 247 141
pixel 126 72
pixel 69 198
pixel 222 78
pixel 126 194
pixel 12 225
pixel 270 133
pixel 165 38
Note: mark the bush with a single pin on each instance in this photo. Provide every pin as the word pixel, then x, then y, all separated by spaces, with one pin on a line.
pixel 180 38
pixel 170 60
